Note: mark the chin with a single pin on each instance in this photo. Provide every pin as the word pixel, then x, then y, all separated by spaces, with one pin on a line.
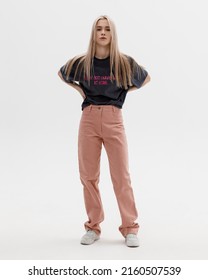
pixel 103 44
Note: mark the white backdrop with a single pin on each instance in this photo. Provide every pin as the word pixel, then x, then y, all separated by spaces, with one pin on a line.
pixel 41 202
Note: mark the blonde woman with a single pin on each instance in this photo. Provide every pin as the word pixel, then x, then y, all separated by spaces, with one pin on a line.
pixel 103 76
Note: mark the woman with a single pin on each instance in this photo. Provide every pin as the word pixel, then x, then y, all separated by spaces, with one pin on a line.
pixel 103 76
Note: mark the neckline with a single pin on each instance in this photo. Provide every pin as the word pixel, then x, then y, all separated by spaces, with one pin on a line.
pixel 101 59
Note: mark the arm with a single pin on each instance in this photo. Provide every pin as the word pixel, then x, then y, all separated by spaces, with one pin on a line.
pixel 74 85
pixel 145 82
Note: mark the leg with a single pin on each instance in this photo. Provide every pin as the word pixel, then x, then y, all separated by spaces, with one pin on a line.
pixel 115 143
pixel 89 152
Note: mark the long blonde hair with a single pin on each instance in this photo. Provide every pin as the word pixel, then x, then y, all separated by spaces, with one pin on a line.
pixel 119 62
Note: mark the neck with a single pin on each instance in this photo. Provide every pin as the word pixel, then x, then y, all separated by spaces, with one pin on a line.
pixel 102 52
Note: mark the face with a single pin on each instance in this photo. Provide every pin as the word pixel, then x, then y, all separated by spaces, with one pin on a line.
pixel 103 34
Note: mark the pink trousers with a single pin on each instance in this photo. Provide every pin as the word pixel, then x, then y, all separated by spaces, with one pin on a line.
pixel 103 124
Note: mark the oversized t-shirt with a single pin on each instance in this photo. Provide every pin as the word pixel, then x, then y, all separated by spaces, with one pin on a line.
pixel 101 90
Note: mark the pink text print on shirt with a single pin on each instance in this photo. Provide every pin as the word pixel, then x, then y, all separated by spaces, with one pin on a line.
pixel 100 80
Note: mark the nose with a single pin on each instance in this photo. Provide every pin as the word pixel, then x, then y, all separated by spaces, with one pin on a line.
pixel 103 32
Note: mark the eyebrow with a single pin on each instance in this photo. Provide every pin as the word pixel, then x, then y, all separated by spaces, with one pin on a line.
pixel 102 26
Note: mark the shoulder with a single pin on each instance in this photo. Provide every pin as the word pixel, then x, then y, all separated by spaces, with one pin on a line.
pixel 135 65
pixel 72 65
pixel 130 60
pixel 79 58
pixel 76 60
pixel 73 62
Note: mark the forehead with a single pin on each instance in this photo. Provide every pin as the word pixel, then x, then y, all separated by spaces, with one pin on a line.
pixel 102 22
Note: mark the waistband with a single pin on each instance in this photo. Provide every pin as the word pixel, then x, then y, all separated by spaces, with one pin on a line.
pixel 102 107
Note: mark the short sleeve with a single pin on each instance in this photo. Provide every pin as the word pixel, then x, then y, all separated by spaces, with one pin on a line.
pixel 139 74
pixel 71 78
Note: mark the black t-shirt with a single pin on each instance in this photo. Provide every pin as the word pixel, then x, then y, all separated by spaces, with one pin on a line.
pixel 101 90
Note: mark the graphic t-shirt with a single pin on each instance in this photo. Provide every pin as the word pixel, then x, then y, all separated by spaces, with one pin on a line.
pixel 101 90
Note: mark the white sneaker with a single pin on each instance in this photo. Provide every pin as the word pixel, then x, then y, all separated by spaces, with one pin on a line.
pixel 132 240
pixel 89 237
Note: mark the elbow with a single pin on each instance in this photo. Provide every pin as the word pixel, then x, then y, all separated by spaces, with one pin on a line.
pixel 60 75
pixel 148 78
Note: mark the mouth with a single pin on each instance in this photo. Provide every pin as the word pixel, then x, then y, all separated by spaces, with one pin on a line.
pixel 103 38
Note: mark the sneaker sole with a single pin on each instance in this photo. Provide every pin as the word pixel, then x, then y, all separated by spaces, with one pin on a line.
pixel 132 245
pixel 83 243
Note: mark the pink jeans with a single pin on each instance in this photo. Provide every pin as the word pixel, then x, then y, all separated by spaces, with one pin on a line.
pixel 103 124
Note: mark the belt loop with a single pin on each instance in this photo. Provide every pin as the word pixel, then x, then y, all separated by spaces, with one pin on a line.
pixel 90 107
pixel 114 109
